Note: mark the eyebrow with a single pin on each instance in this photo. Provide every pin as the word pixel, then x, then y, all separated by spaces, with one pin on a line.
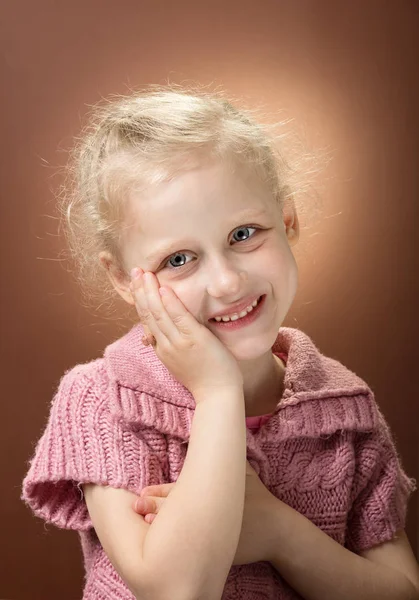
pixel 168 249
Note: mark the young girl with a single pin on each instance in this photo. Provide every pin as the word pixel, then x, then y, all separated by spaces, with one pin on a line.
pixel 279 475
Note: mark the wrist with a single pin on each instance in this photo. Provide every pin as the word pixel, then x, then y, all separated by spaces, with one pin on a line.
pixel 272 519
pixel 224 393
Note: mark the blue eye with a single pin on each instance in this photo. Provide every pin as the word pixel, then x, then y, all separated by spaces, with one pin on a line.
pixel 178 264
pixel 243 229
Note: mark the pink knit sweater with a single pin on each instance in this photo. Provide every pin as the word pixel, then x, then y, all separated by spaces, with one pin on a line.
pixel 124 421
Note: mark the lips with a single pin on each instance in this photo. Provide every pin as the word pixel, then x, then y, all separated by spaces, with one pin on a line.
pixel 235 308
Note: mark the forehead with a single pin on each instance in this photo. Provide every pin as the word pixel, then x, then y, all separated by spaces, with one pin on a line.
pixel 204 194
pixel 197 207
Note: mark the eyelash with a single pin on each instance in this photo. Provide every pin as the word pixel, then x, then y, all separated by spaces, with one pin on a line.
pixel 171 268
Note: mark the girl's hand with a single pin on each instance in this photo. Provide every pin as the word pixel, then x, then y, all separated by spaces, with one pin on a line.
pixel 190 351
pixel 256 542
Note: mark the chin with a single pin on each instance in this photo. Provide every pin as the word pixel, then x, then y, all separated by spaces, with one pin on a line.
pixel 253 347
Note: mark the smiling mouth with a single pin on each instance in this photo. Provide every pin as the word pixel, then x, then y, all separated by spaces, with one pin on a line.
pixel 236 316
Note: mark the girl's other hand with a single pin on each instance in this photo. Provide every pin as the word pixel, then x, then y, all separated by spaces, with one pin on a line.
pixel 190 351
pixel 256 543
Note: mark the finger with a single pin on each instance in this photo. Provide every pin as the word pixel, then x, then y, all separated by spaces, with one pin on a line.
pixel 148 340
pixel 138 295
pixel 168 304
pixel 161 490
pixel 147 333
pixel 162 321
pixel 148 505
pixel 138 291
pixel 163 314
pixel 143 505
pixel 149 518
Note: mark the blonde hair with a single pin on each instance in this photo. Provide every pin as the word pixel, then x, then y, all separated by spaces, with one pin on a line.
pixel 147 137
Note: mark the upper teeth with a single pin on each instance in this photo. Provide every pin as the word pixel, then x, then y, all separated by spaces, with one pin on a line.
pixel 236 316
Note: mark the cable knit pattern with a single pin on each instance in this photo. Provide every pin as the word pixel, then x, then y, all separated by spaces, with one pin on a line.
pixel 124 421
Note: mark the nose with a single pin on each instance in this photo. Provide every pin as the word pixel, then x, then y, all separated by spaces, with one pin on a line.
pixel 225 279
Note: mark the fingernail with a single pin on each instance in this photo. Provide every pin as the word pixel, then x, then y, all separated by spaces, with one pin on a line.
pixel 135 272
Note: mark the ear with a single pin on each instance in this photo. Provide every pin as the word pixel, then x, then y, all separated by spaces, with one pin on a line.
pixel 291 223
pixel 117 277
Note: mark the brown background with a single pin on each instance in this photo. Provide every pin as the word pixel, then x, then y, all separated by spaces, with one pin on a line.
pixel 347 72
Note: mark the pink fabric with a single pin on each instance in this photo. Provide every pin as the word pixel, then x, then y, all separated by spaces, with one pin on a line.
pixel 122 420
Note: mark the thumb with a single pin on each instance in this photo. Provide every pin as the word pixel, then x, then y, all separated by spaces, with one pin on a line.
pixel 148 504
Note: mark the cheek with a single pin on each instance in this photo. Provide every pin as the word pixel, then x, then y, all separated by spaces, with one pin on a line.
pixel 273 261
pixel 279 268
pixel 187 294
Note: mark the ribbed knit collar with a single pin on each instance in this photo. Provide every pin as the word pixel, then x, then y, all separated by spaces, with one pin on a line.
pixel 309 374
pixel 321 396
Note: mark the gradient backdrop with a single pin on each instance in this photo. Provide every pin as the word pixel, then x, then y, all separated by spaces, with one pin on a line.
pixel 346 72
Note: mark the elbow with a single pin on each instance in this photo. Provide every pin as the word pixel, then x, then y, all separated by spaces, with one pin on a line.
pixel 204 594
pixel 175 592
pixel 158 586
pixel 182 594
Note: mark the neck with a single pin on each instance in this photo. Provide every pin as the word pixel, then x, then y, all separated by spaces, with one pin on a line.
pixel 263 384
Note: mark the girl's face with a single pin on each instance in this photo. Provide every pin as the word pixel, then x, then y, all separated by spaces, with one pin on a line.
pixel 216 236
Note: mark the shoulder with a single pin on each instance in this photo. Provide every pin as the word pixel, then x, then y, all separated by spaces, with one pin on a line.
pixel 90 374
pixel 82 387
pixel 85 442
pixel 381 488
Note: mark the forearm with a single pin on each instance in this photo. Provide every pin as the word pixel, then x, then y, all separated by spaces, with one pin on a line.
pixel 319 568
pixel 184 544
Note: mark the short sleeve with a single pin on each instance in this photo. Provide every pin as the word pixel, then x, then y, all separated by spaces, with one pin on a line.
pixel 84 443
pixel 381 490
